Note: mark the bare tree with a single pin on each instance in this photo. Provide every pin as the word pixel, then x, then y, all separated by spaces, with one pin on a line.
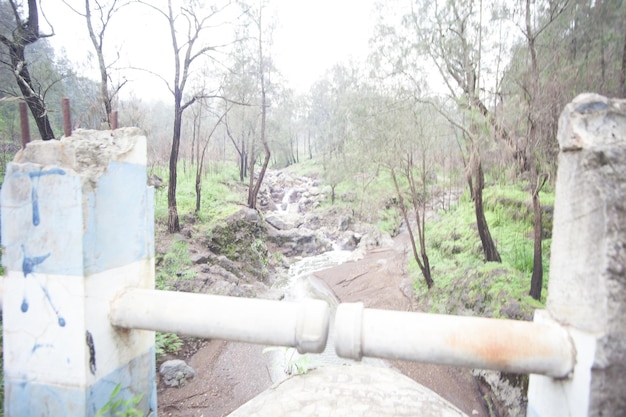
pixel 255 186
pixel 26 32
pixel 200 158
pixel 453 41
pixel 533 134
pixel 102 12
pixel 186 53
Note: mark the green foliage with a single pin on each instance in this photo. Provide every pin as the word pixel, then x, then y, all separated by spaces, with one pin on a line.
pixel 464 283
pixel 389 221
pixel 167 343
pixel 306 168
pixel 221 194
pixel 119 407
pixel 294 363
pixel 174 265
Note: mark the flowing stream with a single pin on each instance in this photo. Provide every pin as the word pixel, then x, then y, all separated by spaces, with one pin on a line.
pixel 299 284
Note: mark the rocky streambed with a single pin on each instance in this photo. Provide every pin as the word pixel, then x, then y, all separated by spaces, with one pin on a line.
pixel 294 248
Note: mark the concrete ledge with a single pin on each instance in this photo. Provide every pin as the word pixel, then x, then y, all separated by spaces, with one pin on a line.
pixel 358 390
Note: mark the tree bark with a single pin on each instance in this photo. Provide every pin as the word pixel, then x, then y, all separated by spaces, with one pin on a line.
pixel 173 223
pixel 489 248
pixel 536 281
pixel 254 190
pixel 25 34
pixel 623 72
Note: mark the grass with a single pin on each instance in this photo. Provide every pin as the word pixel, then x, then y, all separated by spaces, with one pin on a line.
pixel 464 283
pixel 174 265
pixel 221 194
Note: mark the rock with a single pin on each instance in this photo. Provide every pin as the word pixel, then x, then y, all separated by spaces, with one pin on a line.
pixel 155 181
pixel 176 372
pixel 243 290
pixel 200 258
pixel 223 288
pixel 219 272
pixel 349 240
pixel 300 242
pixel 344 223
pixel 283 221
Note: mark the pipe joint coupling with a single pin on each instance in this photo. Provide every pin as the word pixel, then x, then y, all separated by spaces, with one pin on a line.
pixel 348 331
pixel 312 326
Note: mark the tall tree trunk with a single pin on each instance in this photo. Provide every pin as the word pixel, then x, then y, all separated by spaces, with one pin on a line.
pixel 254 191
pixel 173 224
pixel 33 99
pixel 622 77
pixel 24 34
pixel 489 248
pixel 536 281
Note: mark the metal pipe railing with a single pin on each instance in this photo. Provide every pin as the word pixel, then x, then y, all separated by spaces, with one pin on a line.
pixel 503 345
pixel 303 325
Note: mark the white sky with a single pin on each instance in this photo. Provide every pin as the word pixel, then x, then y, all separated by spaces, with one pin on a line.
pixel 312 35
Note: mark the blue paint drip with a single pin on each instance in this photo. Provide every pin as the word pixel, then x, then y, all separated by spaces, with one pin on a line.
pixel 53 171
pixel 60 319
pixel 30 262
pixel 28 266
pixel 34 195
pixel 38 346
pixel 35 199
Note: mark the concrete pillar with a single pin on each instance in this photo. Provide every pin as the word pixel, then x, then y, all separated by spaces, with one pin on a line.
pixel 587 288
pixel 77 228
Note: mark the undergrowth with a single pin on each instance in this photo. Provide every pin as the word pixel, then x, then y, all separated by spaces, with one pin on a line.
pixel 463 282
pixel 221 194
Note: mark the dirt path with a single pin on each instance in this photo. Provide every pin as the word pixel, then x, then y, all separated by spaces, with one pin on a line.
pixel 229 374
pixel 380 280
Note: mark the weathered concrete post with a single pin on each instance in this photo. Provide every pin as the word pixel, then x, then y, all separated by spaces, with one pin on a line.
pixel 77 228
pixel 587 289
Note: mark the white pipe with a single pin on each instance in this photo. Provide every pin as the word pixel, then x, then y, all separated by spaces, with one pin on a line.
pixel 303 325
pixel 504 345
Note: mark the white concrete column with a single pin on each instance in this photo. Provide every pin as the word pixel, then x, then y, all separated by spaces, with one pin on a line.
pixel 77 228
pixel 587 288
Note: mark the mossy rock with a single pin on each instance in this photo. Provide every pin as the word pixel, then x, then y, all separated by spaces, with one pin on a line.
pixel 241 239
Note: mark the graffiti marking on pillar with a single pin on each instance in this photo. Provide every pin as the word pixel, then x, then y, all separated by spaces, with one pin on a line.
pixel 28 267
pixel 92 352
pixel 34 196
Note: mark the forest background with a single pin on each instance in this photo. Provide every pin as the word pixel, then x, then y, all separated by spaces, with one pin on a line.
pixel 453 95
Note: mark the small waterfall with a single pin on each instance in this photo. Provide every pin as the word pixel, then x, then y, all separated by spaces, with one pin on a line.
pixel 286 201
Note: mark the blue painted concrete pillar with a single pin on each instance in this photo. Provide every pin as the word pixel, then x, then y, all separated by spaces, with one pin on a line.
pixel 77 229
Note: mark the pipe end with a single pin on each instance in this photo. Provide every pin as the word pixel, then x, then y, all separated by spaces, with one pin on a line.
pixel 312 326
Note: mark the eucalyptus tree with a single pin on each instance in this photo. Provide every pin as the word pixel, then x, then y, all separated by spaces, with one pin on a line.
pixel 533 22
pixel 202 143
pixel 449 39
pixel 21 29
pixel 264 71
pixel 190 26
pixel 331 122
pixel 286 126
pixel 240 85
pixel 399 132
